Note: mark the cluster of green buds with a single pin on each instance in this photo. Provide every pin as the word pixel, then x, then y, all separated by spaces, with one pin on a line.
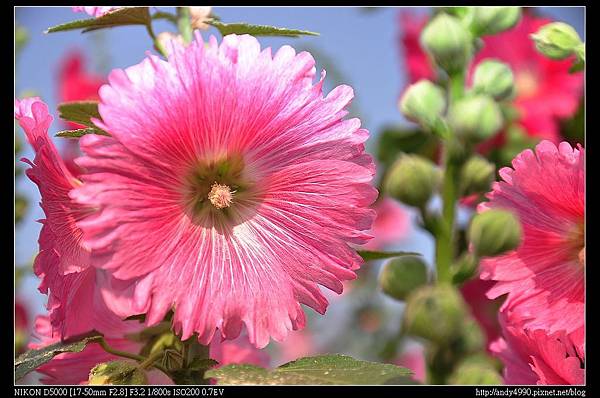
pixel 460 116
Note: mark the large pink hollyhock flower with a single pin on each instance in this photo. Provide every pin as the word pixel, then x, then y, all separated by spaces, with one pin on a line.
pixel 544 276
pixel 545 90
pixel 237 351
pixel 74 368
pixel 94 11
pixel 390 225
pixel 537 356
pixel 229 189
pixel 63 264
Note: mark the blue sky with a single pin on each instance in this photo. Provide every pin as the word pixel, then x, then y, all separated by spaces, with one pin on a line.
pixel 359 47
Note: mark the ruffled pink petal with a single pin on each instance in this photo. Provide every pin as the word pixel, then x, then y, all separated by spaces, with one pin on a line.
pixel 536 356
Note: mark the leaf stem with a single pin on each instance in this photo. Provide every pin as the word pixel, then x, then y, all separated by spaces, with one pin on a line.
pixel 157 44
pixel 129 355
pixel 184 24
pixel 149 361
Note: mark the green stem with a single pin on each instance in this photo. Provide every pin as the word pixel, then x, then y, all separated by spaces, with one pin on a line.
pixel 445 249
pixel 119 353
pixel 445 241
pixel 184 23
pixel 456 84
pixel 129 355
pixel 157 44
pixel 148 362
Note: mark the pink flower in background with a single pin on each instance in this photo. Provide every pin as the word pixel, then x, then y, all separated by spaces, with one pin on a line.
pixel 537 356
pixel 414 359
pixel 483 309
pixel 545 90
pixel 74 368
pixel 63 263
pixel 391 224
pixel 230 188
pixel 95 11
pixel 298 344
pixel 75 83
pixel 544 276
pixel 21 326
pixel 418 65
pixel 237 351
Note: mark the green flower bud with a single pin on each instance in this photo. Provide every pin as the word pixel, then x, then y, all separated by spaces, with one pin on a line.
pixel 494 232
pixel 402 275
pixel 474 374
pixel 557 40
pixel 435 313
pixel 471 338
pixel 476 175
pixel 117 372
pixel 492 20
pixel 412 179
pixel 475 118
pixel 493 78
pixel 448 42
pixel 424 103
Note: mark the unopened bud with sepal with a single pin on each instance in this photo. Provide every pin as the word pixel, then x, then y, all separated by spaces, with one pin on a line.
pixel 557 40
pixel 476 175
pixel 412 179
pixel 494 232
pixel 491 20
pixel 475 118
pixel 448 42
pixel 435 313
pixel 402 275
pixel 423 102
pixel 493 78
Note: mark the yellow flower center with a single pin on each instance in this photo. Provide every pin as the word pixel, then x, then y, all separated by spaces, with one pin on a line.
pixel 220 196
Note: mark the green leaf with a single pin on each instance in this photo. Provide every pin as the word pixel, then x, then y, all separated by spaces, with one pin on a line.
pixel 80 112
pixel 120 17
pixel 330 369
pixel 257 30
pixel 369 255
pixel 78 133
pixel 32 359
